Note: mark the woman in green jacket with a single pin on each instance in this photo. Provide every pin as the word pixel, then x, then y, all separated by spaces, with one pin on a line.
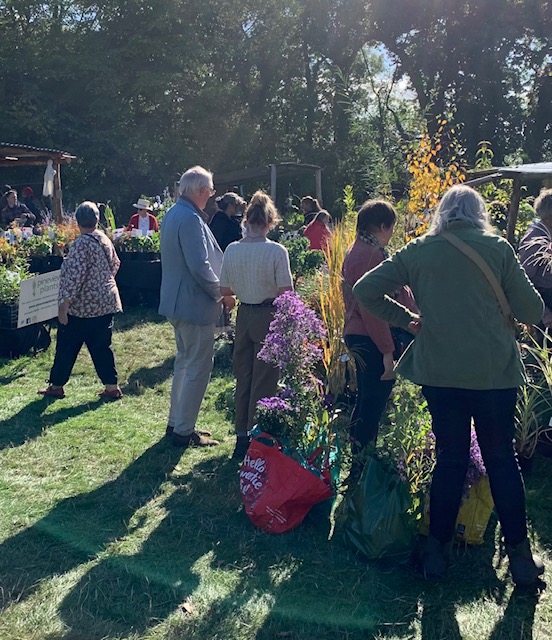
pixel 467 361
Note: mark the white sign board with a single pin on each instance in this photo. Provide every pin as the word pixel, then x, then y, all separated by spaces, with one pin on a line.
pixel 38 299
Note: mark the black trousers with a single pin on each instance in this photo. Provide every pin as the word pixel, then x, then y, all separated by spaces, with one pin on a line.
pixel 493 415
pixel 372 393
pixel 96 334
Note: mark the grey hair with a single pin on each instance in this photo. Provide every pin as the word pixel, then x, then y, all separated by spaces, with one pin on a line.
pixel 543 204
pixel 461 204
pixel 87 215
pixel 195 179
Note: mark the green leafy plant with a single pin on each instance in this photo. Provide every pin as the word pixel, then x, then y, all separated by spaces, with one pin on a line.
pixel 36 247
pixel 534 402
pixel 10 279
pixel 409 442
pixel 110 218
pixel 303 262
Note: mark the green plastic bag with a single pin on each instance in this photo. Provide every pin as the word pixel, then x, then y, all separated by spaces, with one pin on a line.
pixel 378 523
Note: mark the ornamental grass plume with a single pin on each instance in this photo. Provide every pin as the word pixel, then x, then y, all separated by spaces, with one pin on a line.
pixel 332 306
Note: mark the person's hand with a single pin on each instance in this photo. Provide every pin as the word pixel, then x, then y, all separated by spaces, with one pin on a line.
pixel 229 302
pixel 388 366
pixel 415 326
pixel 62 313
pixel 547 318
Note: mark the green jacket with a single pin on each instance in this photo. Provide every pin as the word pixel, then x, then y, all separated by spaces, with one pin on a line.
pixel 465 341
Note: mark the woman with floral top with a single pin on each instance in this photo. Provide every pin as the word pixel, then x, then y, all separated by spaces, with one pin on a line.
pixel 88 300
pixel 368 338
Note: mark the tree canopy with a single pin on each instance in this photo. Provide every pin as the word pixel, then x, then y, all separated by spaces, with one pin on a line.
pixel 141 89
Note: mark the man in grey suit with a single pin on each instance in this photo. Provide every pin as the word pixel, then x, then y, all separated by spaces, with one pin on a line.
pixel 190 298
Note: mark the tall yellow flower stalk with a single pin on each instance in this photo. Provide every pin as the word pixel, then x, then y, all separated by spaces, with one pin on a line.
pixel 332 308
pixel 430 179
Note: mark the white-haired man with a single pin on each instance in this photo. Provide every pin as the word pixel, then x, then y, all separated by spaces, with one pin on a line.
pixel 190 298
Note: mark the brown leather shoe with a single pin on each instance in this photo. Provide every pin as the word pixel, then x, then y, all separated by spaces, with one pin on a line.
pixel 52 392
pixel 193 439
pixel 113 394
pixel 202 432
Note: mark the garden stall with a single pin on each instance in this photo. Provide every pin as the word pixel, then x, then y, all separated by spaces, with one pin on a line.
pixel 14 155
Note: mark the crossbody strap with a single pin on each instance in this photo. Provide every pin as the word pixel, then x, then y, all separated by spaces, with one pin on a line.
pixel 102 247
pixel 487 272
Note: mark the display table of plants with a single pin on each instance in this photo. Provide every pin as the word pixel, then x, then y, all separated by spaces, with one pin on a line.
pixel 139 276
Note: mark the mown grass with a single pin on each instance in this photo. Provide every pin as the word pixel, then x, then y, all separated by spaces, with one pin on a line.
pixel 108 532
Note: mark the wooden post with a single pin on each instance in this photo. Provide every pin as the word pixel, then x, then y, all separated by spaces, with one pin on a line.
pixel 273 182
pixel 57 199
pixel 318 179
pixel 513 210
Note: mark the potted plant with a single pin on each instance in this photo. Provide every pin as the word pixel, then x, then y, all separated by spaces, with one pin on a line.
pixel 38 250
pixel 10 278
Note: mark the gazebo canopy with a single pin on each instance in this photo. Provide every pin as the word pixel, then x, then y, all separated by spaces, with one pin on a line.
pixel 18 155
pixel 519 174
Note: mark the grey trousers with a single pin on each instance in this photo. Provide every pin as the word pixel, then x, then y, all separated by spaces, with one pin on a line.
pixel 192 371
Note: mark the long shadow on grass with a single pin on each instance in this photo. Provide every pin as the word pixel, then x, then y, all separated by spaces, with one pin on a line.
pixel 137 315
pixel 31 421
pixel 80 527
pixel 130 593
pixel 149 377
pixel 238 582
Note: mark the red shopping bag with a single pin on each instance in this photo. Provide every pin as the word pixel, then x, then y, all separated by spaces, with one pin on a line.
pixel 276 490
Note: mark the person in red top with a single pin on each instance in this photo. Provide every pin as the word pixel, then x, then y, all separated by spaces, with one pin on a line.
pixel 318 231
pixel 143 220
pixel 368 338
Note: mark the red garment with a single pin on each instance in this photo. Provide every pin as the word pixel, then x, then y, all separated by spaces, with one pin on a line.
pixel 318 234
pixel 153 224
pixel 362 257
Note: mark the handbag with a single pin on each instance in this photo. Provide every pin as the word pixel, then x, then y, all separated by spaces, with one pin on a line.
pixel 487 272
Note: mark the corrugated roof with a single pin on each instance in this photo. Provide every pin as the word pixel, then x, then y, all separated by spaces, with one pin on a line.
pixel 12 155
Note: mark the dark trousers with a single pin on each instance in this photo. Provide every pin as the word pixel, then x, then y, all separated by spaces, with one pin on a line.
pixel 372 393
pixel 96 334
pixel 255 379
pixel 493 415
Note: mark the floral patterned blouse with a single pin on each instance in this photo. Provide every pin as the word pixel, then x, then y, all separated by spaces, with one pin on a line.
pixel 88 277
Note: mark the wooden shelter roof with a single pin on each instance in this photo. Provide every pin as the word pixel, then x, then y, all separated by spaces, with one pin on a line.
pixel 18 155
pixel 263 173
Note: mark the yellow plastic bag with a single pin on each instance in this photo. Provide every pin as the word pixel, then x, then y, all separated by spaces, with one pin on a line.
pixel 473 516
pixel 474 513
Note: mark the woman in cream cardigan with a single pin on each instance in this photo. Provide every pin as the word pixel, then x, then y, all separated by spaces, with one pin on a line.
pixel 256 270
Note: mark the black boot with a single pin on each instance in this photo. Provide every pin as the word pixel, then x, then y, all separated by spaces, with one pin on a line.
pixel 242 445
pixel 524 566
pixel 434 558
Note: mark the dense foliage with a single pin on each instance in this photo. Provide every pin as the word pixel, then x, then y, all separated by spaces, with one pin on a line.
pixel 139 90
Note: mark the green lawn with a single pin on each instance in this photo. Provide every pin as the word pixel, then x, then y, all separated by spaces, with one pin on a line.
pixel 107 531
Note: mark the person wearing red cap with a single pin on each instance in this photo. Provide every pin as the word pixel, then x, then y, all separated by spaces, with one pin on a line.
pixel 29 201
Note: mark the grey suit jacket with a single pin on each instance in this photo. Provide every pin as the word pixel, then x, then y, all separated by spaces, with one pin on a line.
pixel 191 260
